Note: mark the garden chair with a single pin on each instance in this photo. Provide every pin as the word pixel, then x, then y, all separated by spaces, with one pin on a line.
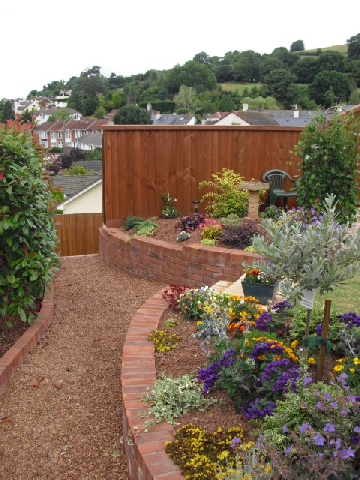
pixel 276 179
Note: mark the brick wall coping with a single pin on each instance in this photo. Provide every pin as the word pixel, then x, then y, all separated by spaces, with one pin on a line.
pixel 16 355
pixel 192 265
pixel 145 451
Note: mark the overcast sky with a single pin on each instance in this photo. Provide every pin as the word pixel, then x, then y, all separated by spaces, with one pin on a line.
pixel 47 40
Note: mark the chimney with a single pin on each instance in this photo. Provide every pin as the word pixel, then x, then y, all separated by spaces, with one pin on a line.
pixel 245 107
pixel 296 113
pixel 149 107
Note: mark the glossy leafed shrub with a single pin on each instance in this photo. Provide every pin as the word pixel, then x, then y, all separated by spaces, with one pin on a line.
pixel 27 234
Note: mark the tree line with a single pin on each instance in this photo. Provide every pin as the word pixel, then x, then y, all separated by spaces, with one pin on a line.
pixel 282 79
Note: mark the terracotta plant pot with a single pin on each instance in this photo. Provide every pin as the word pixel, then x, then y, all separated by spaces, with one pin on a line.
pixel 261 292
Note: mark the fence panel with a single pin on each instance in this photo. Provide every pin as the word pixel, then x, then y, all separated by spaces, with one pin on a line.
pixel 140 163
pixel 78 233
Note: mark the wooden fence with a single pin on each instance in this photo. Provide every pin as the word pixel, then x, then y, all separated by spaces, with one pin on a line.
pixel 78 233
pixel 140 163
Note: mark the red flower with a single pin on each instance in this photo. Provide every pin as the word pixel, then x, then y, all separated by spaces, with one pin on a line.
pixel 1 176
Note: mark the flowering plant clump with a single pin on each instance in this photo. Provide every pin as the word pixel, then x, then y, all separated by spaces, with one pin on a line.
pixel 210 229
pixel 164 341
pixel 173 295
pixel 201 455
pixel 169 211
pixel 306 216
pixel 253 275
pixel 191 303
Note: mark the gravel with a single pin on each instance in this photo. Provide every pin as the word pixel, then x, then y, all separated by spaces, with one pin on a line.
pixel 61 412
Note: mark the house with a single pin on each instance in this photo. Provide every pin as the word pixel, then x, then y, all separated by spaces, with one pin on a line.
pixel 172 119
pixel 242 119
pixel 83 193
pixel 65 132
pixel 62 98
pixel 44 114
pixel 91 141
pixel 22 106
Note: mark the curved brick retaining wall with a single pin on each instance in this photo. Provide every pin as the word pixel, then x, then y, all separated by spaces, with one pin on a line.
pixel 194 265
pixel 14 357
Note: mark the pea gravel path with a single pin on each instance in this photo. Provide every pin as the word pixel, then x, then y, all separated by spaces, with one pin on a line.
pixel 61 412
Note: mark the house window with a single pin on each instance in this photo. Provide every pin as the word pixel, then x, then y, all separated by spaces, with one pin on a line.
pixel 60 134
pixel 43 135
pixel 67 134
pixel 53 134
pixel 77 133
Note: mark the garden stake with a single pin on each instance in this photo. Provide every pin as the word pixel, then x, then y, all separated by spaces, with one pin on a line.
pixel 306 340
pixel 323 344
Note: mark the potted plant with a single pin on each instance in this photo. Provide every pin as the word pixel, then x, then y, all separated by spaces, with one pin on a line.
pixel 259 284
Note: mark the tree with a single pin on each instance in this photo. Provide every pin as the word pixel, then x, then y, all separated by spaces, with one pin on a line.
pixel 305 69
pixel 323 82
pixel 297 46
pixel 61 114
pixel 185 98
pixel 354 47
pixel 67 159
pixel 132 115
pixel 100 111
pixel 270 63
pixel 331 61
pixel 247 66
pixel 329 160
pixel 280 84
pixel 7 112
pixel 192 74
pixel 285 56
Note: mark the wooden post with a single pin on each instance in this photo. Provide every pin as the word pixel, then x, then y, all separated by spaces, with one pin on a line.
pixel 323 346
pixel 307 327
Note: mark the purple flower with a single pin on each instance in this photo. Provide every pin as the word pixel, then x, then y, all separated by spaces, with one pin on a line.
pixel 288 450
pixel 259 409
pixel 346 453
pixel 334 404
pixel 235 442
pixel 319 440
pixel 336 442
pixel 210 374
pixel 357 429
pixel 329 427
pixel 304 427
pixel 327 397
pixel 320 406
pixel 263 321
pixel 307 381
pixel 284 429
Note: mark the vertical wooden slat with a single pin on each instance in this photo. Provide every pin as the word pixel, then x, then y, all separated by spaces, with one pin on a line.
pixel 142 162
pixel 78 233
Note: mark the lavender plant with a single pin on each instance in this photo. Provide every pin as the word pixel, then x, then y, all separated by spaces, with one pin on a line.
pixel 317 257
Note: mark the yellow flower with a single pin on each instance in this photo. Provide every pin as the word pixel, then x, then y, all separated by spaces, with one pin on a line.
pixel 352 370
pixel 356 362
pixel 338 368
pixel 198 324
pixel 294 345
pixel 311 361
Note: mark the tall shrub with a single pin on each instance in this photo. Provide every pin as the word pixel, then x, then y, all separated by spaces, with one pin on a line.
pixel 27 235
pixel 227 199
pixel 329 154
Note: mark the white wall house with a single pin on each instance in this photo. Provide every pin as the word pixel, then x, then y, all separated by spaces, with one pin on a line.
pixel 83 193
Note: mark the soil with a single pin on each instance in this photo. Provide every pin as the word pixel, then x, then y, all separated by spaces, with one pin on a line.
pixel 188 357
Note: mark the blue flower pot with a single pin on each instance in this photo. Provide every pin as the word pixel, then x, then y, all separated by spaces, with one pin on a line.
pixel 261 292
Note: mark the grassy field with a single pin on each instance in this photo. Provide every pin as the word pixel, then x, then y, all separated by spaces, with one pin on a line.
pixel 337 48
pixel 238 86
pixel 344 298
